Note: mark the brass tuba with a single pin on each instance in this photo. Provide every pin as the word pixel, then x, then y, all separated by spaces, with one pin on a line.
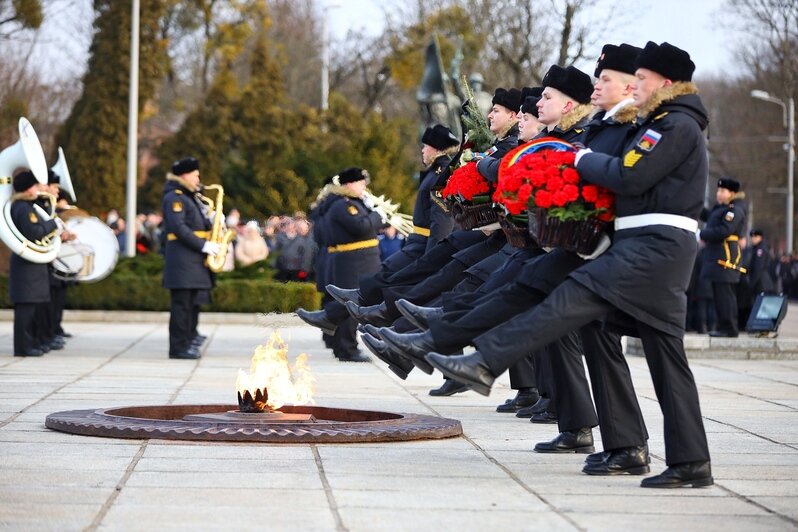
pixel 26 153
pixel 403 223
pixel 220 234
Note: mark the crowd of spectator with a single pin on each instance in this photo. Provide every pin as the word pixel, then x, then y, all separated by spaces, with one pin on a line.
pixel 285 242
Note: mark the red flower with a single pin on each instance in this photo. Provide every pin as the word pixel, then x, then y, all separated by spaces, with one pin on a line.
pixel 590 193
pixel 524 192
pixel 547 178
pixel 467 182
pixel 543 199
pixel 570 175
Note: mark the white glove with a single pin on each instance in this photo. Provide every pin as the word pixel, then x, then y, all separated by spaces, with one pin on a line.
pixel 383 216
pixel 396 220
pixel 603 245
pixel 580 153
pixel 368 202
pixel 210 248
pixel 60 225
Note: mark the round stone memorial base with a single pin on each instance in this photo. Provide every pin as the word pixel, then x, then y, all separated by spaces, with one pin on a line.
pixel 291 424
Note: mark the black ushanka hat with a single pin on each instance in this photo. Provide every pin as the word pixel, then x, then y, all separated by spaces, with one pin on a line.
pixel 667 60
pixel 570 81
pixel 439 137
pixel 621 58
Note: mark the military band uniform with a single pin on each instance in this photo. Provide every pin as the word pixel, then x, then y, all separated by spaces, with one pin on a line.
pixel 353 252
pixel 188 279
pixel 722 232
pixel 29 282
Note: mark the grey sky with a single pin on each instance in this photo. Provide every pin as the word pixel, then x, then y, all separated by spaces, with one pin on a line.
pixel 62 47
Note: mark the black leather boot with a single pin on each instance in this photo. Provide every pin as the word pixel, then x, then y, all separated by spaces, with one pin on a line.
pixel 696 474
pixel 580 441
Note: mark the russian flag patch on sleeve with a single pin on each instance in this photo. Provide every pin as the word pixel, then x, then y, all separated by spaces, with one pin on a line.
pixel 649 140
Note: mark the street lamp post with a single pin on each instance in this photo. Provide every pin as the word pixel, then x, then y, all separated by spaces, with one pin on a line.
pixel 132 134
pixel 325 54
pixel 789 122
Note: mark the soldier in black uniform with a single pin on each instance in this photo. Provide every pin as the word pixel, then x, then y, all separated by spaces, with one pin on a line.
pixel 29 282
pixel 187 228
pixel 723 256
pixel 351 229
pixel 659 183
pixel 562 374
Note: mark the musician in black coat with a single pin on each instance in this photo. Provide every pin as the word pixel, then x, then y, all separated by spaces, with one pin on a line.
pixel 351 228
pixel 187 227
pixel 659 183
pixel 29 282
pixel 723 256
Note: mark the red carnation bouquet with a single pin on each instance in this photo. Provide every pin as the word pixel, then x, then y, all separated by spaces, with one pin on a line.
pixel 541 175
pixel 465 183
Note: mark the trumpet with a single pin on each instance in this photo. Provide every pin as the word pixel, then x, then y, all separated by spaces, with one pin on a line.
pixel 403 223
pixel 219 235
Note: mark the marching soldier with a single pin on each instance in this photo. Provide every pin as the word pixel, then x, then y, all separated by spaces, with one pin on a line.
pixel 189 280
pixel 29 282
pixel 723 256
pixel 659 182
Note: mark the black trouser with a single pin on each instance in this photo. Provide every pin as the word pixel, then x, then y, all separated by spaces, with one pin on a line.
pixel 183 315
pixel 620 420
pixel 569 391
pixel 457 329
pixel 571 306
pixel 725 295
pixel 428 264
pixel 24 327
pixel 58 301
pixel 45 330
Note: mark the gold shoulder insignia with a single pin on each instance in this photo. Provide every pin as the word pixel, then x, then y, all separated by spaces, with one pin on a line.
pixel 438 170
pixel 578 131
pixel 178 191
pixel 352 210
pixel 661 115
pixel 177 206
pixel 32 217
pixel 631 158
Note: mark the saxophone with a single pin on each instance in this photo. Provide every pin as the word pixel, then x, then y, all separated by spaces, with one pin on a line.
pixel 219 235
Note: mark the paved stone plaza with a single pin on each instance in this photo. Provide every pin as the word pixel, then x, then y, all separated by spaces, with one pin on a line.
pixel 487 480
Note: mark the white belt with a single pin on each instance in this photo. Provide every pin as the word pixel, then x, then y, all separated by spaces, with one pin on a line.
pixel 643 220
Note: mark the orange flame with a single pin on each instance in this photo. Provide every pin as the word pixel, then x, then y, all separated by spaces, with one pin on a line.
pixel 270 369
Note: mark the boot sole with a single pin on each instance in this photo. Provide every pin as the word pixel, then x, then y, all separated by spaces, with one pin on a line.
pixel 638 470
pixel 590 449
pixel 694 483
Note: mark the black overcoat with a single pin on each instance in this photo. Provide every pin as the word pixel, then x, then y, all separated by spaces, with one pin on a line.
pixel 29 282
pixel 646 271
pixel 184 261
pixel 349 221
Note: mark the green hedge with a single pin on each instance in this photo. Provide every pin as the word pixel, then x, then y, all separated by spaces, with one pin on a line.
pixel 135 284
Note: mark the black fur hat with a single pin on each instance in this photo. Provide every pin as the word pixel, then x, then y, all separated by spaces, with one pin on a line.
pixel 530 105
pixel 667 60
pixel 729 184
pixel 184 166
pixel 350 175
pixel 509 98
pixel 570 81
pixel 621 58
pixel 24 180
pixel 439 137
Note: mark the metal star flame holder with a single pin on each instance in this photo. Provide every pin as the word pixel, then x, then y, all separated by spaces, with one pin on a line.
pixel 272 382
